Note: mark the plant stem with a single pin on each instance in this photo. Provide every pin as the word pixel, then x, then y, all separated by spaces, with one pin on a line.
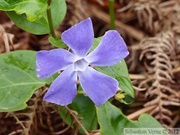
pixel 49 16
pixel 111 14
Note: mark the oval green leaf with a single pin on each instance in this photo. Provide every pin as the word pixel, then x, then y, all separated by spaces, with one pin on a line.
pixel 57 42
pixel 33 9
pixel 86 109
pixel 41 26
pixel 113 122
pixel 18 80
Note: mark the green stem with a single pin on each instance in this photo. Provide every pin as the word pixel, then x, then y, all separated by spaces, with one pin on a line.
pixel 111 14
pixel 49 16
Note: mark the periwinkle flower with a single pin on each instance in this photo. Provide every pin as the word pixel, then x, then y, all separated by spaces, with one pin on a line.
pixel 77 65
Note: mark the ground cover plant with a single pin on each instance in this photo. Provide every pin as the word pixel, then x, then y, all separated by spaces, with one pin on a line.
pixel 89 66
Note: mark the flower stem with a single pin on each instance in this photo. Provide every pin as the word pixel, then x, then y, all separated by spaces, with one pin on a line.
pixel 49 16
pixel 111 14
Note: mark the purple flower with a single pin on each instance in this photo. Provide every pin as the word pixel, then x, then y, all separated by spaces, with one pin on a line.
pixel 78 65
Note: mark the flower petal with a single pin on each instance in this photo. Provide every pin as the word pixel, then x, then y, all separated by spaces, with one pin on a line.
pixel 79 37
pixel 99 87
pixel 111 50
pixel 63 90
pixel 49 62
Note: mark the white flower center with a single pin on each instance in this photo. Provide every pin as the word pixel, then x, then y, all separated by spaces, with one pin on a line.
pixel 80 65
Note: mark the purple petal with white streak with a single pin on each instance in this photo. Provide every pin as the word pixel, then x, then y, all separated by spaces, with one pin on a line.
pixel 111 50
pixel 50 62
pixel 79 37
pixel 98 87
pixel 63 90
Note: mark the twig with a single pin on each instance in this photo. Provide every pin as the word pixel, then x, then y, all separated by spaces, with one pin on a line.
pixel 130 30
pixel 139 112
pixel 75 117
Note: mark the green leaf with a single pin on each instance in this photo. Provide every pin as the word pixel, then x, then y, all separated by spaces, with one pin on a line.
pixel 41 26
pixel 33 9
pixel 147 121
pixel 113 122
pixel 86 109
pixel 67 118
pixel 96 43
pixel 18 80
pixel 118 71
pixel 57 42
